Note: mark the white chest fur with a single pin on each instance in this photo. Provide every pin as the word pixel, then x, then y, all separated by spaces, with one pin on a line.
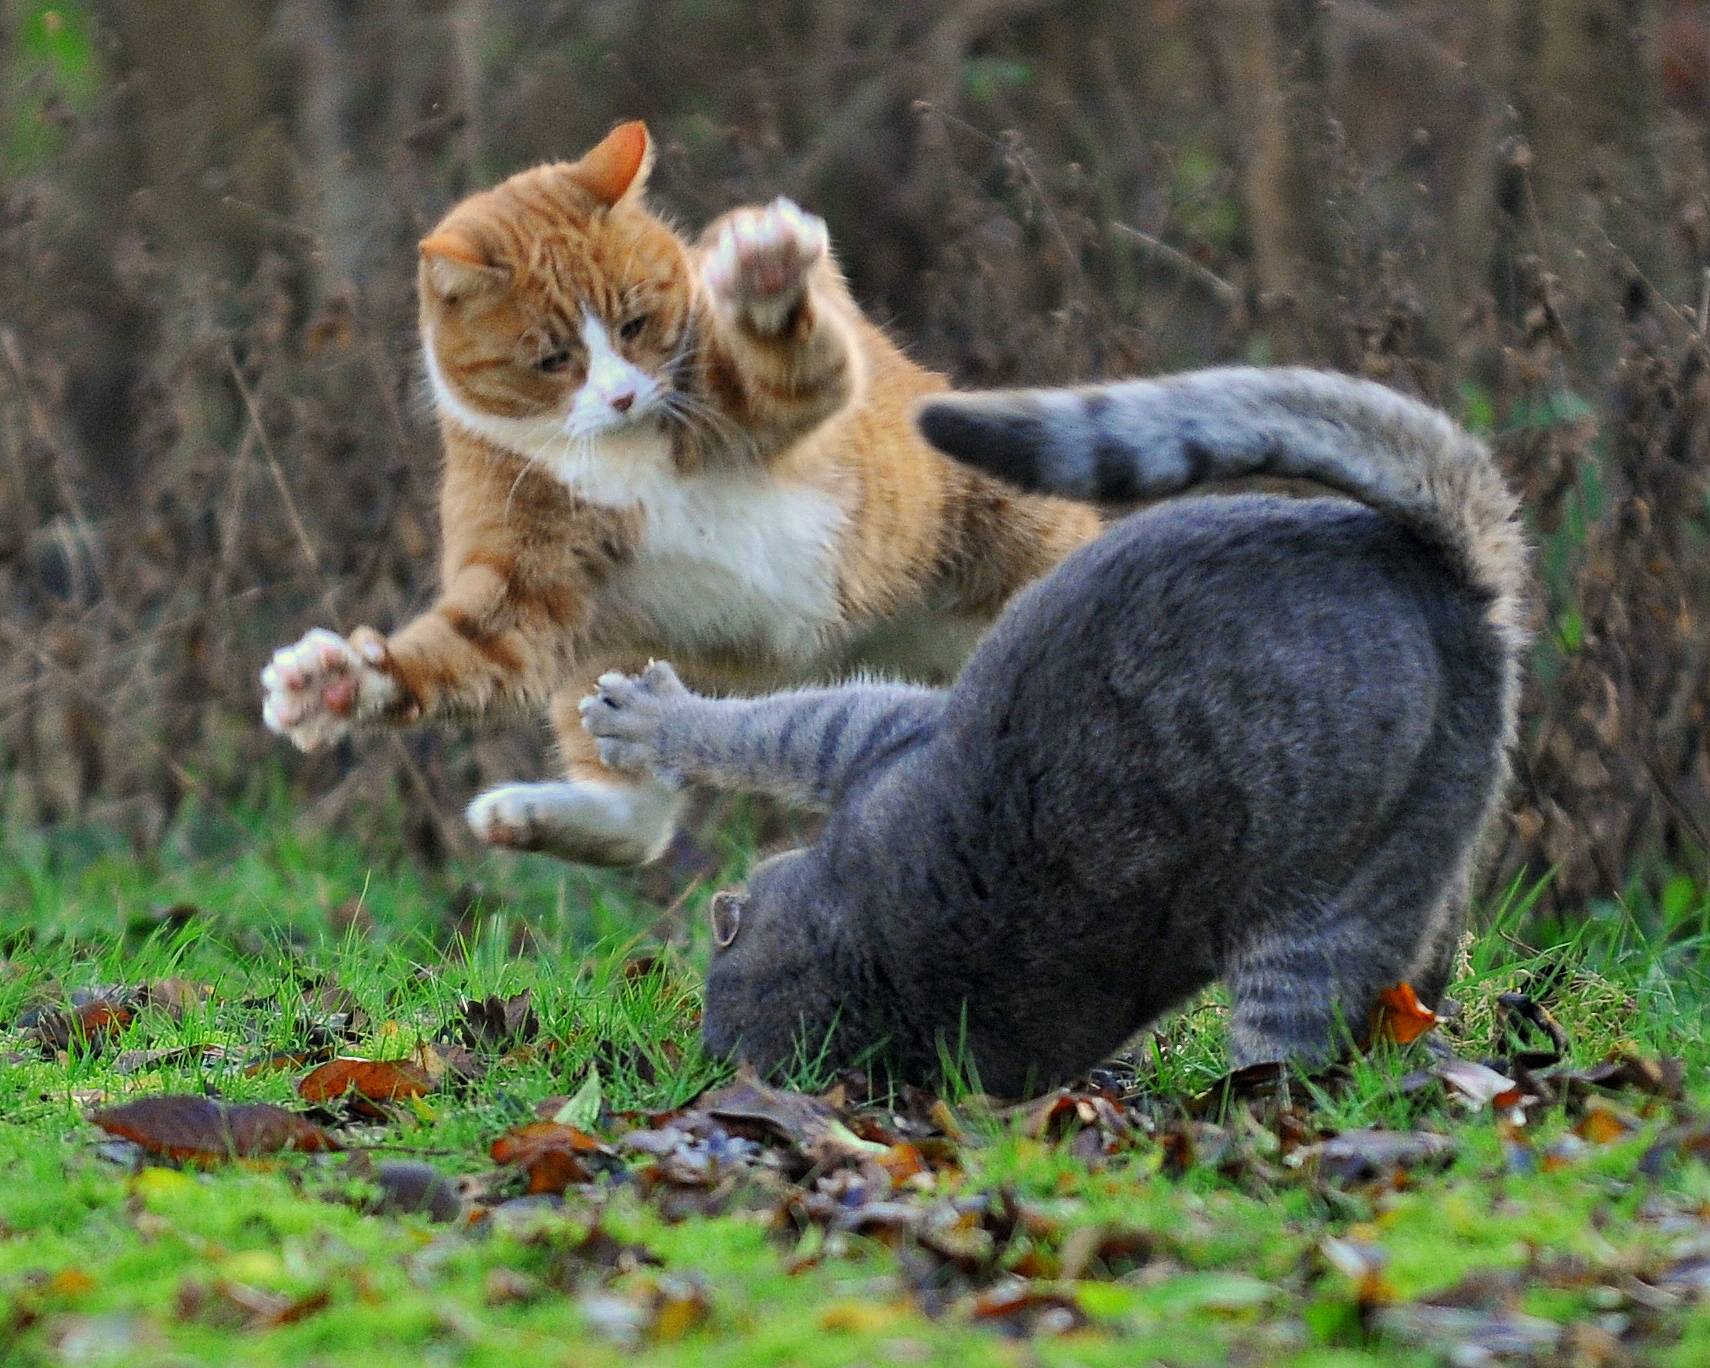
pixel 728 561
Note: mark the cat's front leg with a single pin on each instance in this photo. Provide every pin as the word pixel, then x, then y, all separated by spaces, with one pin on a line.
pixel 761 261
pixel 782 356
pixel 806 745
pixel 320 688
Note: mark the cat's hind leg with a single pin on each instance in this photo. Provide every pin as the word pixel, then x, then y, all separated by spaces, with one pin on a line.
pixel 594 815
pixel 615 821
pixel 1306 986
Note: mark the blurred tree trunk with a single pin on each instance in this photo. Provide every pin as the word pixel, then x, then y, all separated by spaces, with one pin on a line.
pixel 1273 57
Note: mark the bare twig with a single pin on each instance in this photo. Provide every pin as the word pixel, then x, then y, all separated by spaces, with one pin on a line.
pixel 1216 285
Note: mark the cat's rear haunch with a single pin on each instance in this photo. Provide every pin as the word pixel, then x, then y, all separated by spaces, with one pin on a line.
pixel 1248 737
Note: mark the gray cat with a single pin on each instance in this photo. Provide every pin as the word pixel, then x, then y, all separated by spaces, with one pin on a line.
pixel 1247 737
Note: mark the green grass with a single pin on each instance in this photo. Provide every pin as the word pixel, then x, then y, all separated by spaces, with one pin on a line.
pixel 1247 1253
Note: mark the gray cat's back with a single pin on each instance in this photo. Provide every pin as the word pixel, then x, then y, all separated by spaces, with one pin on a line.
pixel 1225 709
pixel 1278 666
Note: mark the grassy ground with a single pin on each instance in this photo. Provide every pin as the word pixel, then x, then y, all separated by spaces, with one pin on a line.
pixel 1124 1224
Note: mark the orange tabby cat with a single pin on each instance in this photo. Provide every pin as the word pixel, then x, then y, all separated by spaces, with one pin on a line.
pixel 653 449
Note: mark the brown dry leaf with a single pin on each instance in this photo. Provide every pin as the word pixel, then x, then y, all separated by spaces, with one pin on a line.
pixel 901 1162
pixel 371 1080
pixel 1363 1265
pixel 1400 1016
pixel 174 996
pixel 1365 1155
pixel 1064 1113
pixel 1663 1077
pixel 448 1064
pixel 553 1155
pixel 90 1025
pixel 179 1126
pixel 812 1129
pixel 1023 1311
pixel 497 1024
pixel 237 1305
pixel 679 1305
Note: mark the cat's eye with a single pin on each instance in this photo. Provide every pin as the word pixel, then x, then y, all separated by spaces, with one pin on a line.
pixel 632 327
pixel 553 362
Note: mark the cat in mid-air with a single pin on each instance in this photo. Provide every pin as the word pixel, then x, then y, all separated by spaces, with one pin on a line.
pixel 656 448
pixel 1249 738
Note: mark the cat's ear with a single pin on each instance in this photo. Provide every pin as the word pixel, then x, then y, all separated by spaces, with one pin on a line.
pixel 616 169
pixel 726 912
pixel 456 266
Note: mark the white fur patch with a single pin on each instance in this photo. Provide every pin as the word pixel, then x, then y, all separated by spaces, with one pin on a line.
pixel 729 559
pixel 595 822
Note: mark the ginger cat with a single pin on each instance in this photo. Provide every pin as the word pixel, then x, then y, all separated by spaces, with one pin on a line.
pixel 656 449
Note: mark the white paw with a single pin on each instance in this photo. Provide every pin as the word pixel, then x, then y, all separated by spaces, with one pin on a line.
pixel 315 691
pixel 758 264
pixel 586 820
pixel 627 715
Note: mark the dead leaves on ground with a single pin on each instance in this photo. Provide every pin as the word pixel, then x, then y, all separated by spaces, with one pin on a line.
pixel 830 1173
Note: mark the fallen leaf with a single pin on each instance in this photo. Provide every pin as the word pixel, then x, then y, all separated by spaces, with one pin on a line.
pixel 180 1126
pixel 495 1024
pixel 1663 1078
pixel 365 1080
pixel 1064 1113
pixel 88 1026
pixel 1603 1125
pixel 901 1162
pixel 1400 1016
pixel 1473 1084
pixel 861 1317
pixel 140 1061
pixel 1021 1310
pixel 1364 1155
pixel 553 1155
pixel 815 1132
pixel 582 1108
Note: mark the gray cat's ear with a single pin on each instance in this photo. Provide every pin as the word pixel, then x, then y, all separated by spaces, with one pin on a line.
pixel 727 917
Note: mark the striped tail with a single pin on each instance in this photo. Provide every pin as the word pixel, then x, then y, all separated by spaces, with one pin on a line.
pixel 1140 439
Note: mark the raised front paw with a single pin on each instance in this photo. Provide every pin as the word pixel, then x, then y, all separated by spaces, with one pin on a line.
pixel 759 262
pixel 629 717
pixel 318 689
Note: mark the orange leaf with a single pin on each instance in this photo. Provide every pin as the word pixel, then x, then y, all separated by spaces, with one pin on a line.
pixel 1400 1016
pixel 1601 1126
pixel 553 1155
pixel 375 1080
pixel 902 1161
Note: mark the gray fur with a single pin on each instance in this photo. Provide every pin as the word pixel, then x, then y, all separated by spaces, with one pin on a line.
pixel 1250 737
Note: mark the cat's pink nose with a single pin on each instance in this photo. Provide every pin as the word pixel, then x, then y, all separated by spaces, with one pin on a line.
pixel 622 402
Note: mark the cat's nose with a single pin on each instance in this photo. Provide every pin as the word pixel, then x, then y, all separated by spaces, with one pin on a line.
pixel 622 402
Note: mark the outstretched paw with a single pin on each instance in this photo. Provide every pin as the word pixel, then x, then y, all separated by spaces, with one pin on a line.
pixel 760 259
pixel 629 717
pixel 317 690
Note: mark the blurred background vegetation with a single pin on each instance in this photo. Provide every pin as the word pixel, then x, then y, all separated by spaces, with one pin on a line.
pixel 213 431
